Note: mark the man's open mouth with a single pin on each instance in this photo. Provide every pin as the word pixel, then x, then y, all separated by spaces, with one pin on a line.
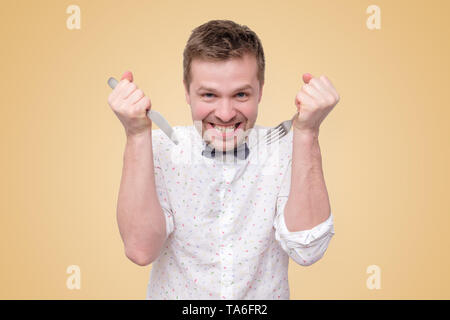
pixel 225 131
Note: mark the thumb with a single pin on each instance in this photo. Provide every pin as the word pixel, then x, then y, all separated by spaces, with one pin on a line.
pixel 127 75
pixel 307 77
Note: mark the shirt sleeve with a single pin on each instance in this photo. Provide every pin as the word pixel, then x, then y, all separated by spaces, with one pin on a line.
pixel 163 195
pixel 305 247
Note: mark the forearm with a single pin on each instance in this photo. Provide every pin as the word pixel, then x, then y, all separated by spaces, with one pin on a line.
pixel 308 203
pixel 139 214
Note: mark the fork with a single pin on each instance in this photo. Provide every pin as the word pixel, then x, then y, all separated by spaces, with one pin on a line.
pixel 278 132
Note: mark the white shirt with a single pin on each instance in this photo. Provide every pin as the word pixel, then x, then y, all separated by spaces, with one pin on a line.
pixel 227 238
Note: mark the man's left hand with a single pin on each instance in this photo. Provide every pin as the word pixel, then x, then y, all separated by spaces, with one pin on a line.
pixel 314 101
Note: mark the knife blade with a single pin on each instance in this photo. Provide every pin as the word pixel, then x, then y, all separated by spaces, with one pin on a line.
pixel 155 116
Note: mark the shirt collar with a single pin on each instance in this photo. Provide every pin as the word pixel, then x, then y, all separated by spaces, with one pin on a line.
pixel 241 151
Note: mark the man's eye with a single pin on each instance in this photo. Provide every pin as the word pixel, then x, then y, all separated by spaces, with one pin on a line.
pixel 206 94
pixel 244 94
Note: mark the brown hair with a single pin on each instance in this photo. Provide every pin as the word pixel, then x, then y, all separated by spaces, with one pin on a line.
pixel 219 40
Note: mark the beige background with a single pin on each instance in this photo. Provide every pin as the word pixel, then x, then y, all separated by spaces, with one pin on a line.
pixel 384 146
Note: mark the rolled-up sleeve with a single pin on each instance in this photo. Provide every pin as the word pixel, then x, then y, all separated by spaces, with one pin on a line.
pixel 163 195
pixel 305 247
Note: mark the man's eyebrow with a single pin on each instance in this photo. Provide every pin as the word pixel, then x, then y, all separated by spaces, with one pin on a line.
pixel 247 86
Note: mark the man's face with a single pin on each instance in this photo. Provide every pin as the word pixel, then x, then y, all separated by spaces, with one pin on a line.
pixel 224 98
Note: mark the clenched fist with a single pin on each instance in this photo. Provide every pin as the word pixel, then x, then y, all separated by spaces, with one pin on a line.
pixel 130 105
pixel 314 102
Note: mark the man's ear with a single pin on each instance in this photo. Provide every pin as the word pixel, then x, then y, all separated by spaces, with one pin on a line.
pixel 260 92
pixel 186 93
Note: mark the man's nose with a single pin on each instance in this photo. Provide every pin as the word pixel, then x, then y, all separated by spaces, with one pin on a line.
pixel 225 111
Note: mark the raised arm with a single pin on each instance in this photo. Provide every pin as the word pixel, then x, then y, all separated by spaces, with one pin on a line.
pixel 308 203
pixel 140 216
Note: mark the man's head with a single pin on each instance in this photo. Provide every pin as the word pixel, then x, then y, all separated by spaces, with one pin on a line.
pixel 223 78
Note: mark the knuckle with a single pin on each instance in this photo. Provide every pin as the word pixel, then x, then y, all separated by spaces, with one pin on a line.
pixel 128 112
pixel 135 112
pixel 110 100
pixel 131 86
pixel 122 103
pixel 330 99
pixel 115 104
pixel 323 102
pixel 122 83
pixel 122 106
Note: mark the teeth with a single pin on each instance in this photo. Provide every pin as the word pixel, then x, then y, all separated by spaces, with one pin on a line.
pixel 224 129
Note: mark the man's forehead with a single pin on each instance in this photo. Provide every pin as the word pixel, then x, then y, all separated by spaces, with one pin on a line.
pixel 236 73
pixel 234 64
pixel 238 78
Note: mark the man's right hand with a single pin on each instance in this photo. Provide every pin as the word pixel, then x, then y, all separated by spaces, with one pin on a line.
pixel 130 105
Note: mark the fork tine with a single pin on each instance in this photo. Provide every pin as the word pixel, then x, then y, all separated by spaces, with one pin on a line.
pixel 273 138
pixel 286 127
pixel 273 131
pixel 278 132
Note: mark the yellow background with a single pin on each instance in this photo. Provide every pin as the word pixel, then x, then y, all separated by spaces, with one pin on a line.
pixel 384 146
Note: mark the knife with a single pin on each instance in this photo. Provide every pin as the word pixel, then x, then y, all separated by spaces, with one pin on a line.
pixel 155 116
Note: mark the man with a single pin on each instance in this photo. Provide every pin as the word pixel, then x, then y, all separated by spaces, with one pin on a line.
pixel 218 215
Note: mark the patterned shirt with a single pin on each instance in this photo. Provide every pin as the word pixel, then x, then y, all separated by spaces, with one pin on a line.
pixel 226 234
